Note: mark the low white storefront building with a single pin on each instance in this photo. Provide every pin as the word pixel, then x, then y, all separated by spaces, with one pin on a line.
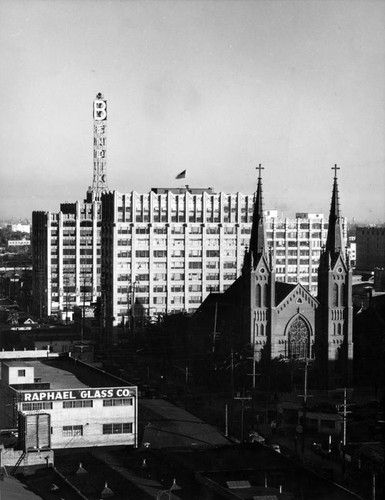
pixel 53 407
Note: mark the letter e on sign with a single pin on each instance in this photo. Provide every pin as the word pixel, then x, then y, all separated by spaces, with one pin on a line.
pixel 100 109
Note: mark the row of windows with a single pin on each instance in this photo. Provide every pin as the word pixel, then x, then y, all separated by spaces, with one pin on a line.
pixel 118 402
pixel 78 404
pixel 36 406
pixel 182 218
pixel 88 403
pixel 114 428
pixel 121 428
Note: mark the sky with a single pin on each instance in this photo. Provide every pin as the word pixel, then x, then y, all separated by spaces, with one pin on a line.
pixel 213 87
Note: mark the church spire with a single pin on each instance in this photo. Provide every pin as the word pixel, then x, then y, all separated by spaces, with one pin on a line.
pixel 258 244
pixel 335 241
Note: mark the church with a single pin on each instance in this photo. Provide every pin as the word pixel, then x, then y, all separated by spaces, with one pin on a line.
pixel 283 320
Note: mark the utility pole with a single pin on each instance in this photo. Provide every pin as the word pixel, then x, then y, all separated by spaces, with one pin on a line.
pixel 226 420
pixel 344 414
pixel 232 372
pixel 83 310
pixel 215 326
pixel 242 399
pixel 254 375
pixel 305 395
pixel 252 358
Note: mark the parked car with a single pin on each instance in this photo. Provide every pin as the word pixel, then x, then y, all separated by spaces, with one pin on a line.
pixel 255 437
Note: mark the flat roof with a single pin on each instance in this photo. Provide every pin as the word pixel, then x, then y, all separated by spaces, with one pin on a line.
pixel 65 372
pixel 57 377
pixel 165 425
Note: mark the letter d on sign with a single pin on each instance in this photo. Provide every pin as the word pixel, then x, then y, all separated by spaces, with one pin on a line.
pixel 100 110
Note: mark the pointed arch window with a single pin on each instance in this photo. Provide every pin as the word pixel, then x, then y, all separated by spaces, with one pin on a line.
pixel 339 329
pixel 258 295
pixel 335 295
pixel 299 337
pixel 264 296
pixel 262 330
pixel 342 295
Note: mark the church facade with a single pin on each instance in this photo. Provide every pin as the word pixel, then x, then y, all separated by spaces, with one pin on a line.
pixel 283 320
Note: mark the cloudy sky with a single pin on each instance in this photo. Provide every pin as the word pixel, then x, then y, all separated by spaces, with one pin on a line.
pixel 213 87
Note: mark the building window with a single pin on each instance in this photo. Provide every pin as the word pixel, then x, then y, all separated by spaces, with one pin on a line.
pixel 124 428
pixel 21 373
pixel 78 404
pixel 117 402
pixel 258 296
pixel 72 430
pixel 195 265
pixel 142 253
pixel 36 406
pixel 335 295
pixel 299 339
pixel 160 253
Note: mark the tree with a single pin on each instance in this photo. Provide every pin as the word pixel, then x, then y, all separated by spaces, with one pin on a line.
pixel 13 317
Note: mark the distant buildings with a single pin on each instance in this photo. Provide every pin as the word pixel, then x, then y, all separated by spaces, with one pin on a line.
pixel 19 243
pixel 20 227
pixel 370 241
pixel 352 251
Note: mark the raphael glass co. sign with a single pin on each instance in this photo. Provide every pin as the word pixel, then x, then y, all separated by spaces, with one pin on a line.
pixel 104 393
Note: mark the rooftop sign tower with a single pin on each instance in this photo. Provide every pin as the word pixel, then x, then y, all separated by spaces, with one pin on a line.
pixel 99 182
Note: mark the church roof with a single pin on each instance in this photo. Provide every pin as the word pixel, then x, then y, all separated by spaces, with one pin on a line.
pixel 286 292
pixel 282 290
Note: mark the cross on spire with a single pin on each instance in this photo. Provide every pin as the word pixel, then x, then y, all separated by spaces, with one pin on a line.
pixel 260 168
pixel 335 168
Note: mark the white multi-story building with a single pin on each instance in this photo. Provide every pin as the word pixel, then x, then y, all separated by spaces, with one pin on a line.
pixel 19 227
pixel 66 258
pixel 166 250
pixel 19 243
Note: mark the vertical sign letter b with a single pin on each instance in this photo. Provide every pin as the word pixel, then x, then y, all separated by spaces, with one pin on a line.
pixel 100 110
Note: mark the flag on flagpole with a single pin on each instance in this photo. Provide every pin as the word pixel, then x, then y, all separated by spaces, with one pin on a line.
pixel 182 175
